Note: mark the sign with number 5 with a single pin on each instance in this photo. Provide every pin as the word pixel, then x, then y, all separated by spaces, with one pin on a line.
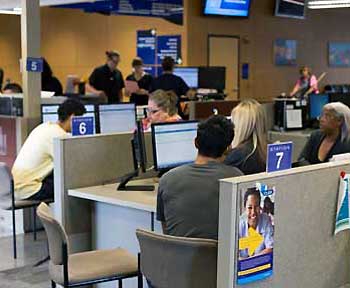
pixel 35 64
pixel 279 156
pixel 82 126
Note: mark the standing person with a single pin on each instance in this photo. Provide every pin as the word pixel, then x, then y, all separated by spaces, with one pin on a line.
pixel 106 80
pixel 168 81
pixel 306 81
pixel 188 196
pixel 143 80
pixel 250 142
pixel 333 137
pixel 50 82
pixel 33 168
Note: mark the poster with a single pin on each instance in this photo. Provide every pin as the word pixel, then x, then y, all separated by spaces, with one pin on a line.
pixel 256 234
pixel 285 52
pixel 339 54
pixel 342 221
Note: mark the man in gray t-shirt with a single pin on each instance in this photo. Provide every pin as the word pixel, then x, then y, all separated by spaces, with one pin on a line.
pixel 188 196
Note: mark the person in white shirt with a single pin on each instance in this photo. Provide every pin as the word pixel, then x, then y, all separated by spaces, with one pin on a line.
pixel 33 169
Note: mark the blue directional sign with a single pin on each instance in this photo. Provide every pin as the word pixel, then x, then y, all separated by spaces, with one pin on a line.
pixel 34 64
pixel 279 156
pixel 169 45
pixel 146 46
pixel 82 126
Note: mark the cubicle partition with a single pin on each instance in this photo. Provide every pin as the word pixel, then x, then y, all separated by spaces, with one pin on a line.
pixel 306 253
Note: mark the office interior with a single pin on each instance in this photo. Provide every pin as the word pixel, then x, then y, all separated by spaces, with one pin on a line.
pixel 97 216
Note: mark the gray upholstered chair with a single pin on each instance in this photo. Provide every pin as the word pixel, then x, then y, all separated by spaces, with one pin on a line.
pixel 86 268
pixel 173 262
pixel 8 202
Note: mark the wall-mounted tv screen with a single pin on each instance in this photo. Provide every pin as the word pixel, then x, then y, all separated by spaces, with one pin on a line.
pixel 290 8
pixel 234 8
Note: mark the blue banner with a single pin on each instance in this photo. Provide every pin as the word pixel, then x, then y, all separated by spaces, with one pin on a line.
pixel 146 46
pixel 171 10
pixel 169 45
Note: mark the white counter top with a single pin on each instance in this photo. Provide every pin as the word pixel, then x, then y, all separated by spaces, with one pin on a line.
pixel 141 200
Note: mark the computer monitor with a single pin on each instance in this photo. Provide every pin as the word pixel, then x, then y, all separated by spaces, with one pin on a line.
pixel 189 75
pixel 212 78
pixel 173 144
pixel 340 97
pixel 116 118
pixel 49 113
pixel 316 102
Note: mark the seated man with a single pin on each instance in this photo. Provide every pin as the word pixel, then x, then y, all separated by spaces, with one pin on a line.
pixel 33 168
pixel 188 196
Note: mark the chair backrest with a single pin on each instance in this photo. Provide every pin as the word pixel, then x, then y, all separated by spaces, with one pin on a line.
pixel 169 262
pixel 55 233
pixel 6 186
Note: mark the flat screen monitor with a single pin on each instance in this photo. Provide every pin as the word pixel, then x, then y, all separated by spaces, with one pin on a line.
pixel 173 144
pixel 212 78
pixel 49 113
pixel 340 97
pixel 189 75
pixel 115 118
pixel 233 8
pixel 316 102
pixel 290 8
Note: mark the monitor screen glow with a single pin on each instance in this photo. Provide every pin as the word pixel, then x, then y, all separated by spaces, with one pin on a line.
pixel 189 75
pixel 117 118
pixel 173 144
pixel 233 8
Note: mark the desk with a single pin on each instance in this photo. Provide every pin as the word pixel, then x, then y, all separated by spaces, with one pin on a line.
pixel 298 137
pixel 117 214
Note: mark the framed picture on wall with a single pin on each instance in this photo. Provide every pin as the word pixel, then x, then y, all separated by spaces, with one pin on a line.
pixel 285 52
pixel 339 54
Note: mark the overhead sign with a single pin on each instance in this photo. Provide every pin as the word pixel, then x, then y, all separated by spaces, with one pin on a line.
pixel 82 125
pixel 146 46
pixel 279 156
pixel 35 64
pixel 169 45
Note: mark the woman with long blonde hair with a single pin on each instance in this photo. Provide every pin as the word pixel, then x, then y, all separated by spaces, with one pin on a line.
pixel 250 141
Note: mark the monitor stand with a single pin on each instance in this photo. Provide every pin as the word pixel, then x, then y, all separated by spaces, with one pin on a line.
pixel 126 178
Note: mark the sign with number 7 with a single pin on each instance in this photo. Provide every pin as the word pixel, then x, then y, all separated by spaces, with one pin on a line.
pixel 279 156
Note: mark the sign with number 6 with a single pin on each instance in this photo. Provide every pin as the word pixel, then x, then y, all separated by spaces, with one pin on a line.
pixel 82 126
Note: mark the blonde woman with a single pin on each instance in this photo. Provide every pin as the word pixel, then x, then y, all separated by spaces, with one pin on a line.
pixel 250 142
pixel 162 107
pixel 333 137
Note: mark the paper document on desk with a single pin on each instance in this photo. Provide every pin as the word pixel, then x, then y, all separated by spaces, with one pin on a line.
pixel 131 86
pixel 342 221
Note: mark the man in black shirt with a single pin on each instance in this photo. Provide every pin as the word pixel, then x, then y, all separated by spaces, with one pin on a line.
pixel 168 81
pixel 107 81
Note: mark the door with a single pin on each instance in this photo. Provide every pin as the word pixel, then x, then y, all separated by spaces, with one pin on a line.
pixel 224 51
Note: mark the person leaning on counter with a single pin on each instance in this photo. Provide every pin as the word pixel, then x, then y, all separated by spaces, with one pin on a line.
pixel 304 84
pixel 333 137
pixel 106 80
pixel 33 169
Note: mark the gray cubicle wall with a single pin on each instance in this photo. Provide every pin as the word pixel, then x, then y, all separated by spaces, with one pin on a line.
pixel 306 253
pixel 87 161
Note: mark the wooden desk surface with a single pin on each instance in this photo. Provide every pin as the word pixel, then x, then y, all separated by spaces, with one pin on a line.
pixel 141 200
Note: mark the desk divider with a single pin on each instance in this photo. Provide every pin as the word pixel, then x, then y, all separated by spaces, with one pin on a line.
pixel 306 252
pixel 88 161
